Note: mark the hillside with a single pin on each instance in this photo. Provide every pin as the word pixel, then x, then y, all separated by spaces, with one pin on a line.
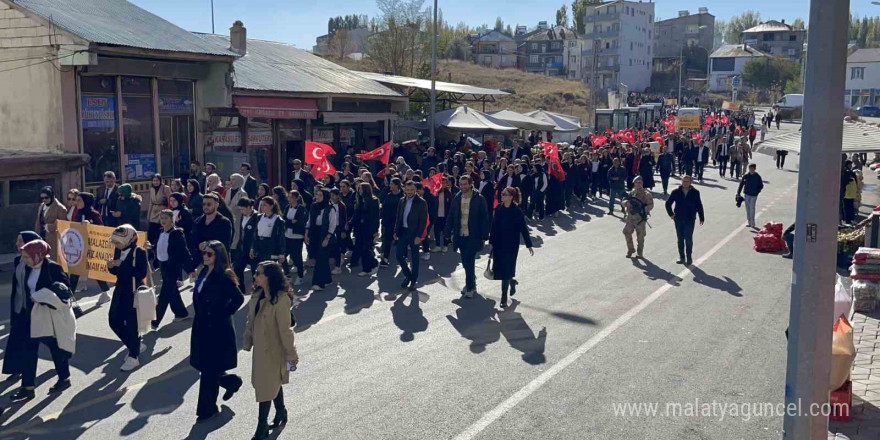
pixel 531 91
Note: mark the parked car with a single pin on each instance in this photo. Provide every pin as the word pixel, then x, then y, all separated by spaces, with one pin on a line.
pixel 869 110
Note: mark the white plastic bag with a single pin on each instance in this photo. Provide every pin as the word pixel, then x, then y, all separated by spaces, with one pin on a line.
pixel 843 301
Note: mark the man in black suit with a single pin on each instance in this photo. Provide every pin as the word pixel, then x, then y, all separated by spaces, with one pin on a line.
pixel 107 198
pixel 468 225
pixel 242 255
pixel 195 172
pixel 409 231
pixel 211 226
pixel 250 184
pixel 300 174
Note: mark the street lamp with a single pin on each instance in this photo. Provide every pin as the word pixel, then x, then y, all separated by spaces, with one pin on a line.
pixel 433 74
pixel 681 64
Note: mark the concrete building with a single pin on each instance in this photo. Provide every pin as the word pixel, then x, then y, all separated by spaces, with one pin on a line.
pixel 727 62
pixel 619 45
pixel 494 49
pixel 574 57
pixel 547 51
pixel 863 78
pixel 777 39
pixel 686 30
pixel 350 44
pixel 81 94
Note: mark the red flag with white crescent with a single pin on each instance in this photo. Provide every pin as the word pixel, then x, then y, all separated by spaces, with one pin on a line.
pixel 382 154
pixel 316 152
pixel 657 137
pixel 434 183
pixel 322 169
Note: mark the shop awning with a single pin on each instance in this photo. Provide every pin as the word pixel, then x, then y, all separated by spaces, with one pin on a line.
pixel 276 108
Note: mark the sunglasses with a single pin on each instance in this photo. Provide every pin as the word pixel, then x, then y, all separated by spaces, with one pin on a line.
pixel 208 254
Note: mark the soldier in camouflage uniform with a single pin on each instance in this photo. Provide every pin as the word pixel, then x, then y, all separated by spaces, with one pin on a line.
pixel 638 205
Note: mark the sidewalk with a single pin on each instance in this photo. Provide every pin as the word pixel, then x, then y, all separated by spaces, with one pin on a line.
pixel 864 422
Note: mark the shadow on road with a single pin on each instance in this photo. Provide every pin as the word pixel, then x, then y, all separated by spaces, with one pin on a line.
pixel 201 431
pixel 409 319
pixel 520 336
pixel 475 320
pixel 654 272
pixel 725 285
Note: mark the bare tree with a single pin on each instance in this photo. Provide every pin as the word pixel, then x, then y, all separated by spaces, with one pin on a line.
pixel 341 44
pixel 400 40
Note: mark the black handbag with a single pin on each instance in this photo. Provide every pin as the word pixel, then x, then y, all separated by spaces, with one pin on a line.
pixel 739 200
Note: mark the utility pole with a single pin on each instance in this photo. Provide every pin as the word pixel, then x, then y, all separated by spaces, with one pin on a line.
pixel 434 74
pixel 212 16
pixel 810 319
pixel 594 80
pixel 680 62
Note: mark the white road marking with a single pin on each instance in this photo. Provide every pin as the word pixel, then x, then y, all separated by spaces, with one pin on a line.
pixel 524 392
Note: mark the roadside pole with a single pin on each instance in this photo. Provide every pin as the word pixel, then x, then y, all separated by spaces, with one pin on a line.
pixel 812 293
pixel 433 74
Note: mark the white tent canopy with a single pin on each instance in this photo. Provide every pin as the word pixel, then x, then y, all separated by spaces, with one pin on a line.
pixel 468 120
pixel 561 123
pixel 522 121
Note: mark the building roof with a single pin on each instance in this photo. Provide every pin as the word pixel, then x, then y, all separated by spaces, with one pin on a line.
pixel 770 26
pixel 280 67
pixel 670 20
pixel 424 84
pixel 553 33
pixel 864 56
pixel 120 23
pixel 493 35
pixel 737 51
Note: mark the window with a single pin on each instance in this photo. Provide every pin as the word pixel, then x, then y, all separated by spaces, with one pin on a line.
pixel 630 45
pixel 649 34
pixel 487 59
pixel 137 122
pixel 176 126
pixel 650 18
pixel 722 82
pixel 100 138
pixel 533 59
pixel 630 61
pixel 571 44
pixel 723 64
pixel 612 9
pixel 857 73
pixel 556 45
pixel 627 9
pixel 26 192
pixel 792 37
pixel 769 37
pixel 534 46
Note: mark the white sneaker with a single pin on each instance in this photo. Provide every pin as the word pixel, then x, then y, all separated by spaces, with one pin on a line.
pixel 105 297
pixel 143 347
pixel 130 364
pixel 443 249
pixel 435 249
pixel 426 256
pixel 336 271
pixel 317 288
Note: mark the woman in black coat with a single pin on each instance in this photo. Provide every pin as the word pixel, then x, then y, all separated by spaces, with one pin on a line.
pixel 172 253
pixel 20 306
pixel 194 201
pixel 213 344
pixel 129 265
pixel 646 169
pixel 322 232
pixel 365 224
pixel 508 225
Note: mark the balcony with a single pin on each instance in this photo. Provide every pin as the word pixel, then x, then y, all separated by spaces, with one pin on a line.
pixel 602 51
pixel 592 18
pixel 604 34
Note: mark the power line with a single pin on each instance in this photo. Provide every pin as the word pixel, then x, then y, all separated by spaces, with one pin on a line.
pixel 51 60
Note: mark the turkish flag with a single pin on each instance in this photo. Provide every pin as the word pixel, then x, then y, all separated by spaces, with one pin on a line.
pixel 610 133
pixel 627 136
pixel 641 139
pixel 434 183
pixel 725 120
pixel 322 169
pixel 551 151
pixel 657 137
pixel 382 154
pixel 381 173
pixel 669 123
pixel 598 141
pixel 316 153
pixel 697 137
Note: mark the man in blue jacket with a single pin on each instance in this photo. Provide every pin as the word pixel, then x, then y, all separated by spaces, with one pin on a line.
pixel 683 207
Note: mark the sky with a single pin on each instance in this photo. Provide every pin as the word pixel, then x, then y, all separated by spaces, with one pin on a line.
pixel 299 22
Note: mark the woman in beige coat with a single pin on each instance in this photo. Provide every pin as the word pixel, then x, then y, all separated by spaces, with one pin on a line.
pixel 269 332
pixel 48 214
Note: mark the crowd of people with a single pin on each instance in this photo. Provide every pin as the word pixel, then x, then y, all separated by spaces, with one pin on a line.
pixel 211 229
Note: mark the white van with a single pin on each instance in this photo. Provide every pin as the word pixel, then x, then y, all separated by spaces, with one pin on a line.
pixel 790 101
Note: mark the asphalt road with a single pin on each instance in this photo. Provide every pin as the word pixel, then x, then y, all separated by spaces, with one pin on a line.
pixel 593 329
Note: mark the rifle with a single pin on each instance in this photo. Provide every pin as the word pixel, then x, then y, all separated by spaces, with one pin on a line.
pixel 638 207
